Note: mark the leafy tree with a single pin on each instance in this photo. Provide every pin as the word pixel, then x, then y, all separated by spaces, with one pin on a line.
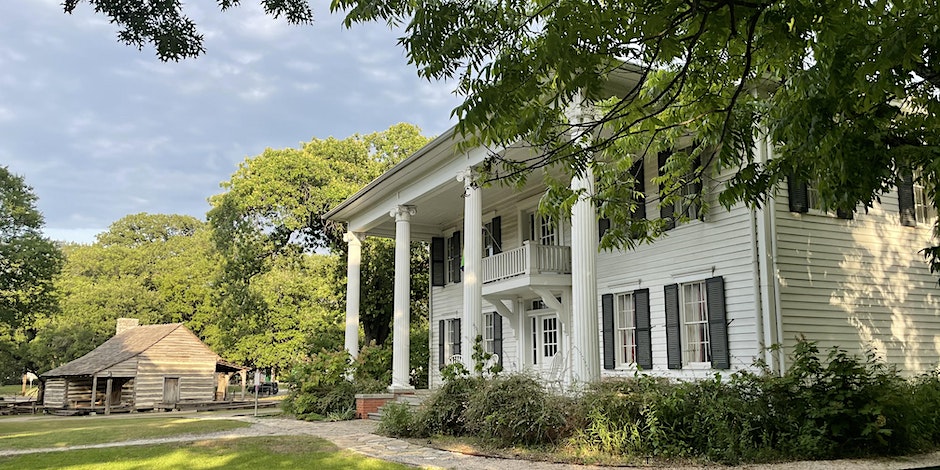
pixel 845 90
pixel 269 219
pixel 164 25
pixel 28 261
pixel 155 267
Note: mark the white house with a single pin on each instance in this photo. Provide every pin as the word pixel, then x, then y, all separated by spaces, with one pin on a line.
pixel 712 294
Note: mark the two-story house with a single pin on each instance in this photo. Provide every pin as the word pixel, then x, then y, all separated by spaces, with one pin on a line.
pixel 714 293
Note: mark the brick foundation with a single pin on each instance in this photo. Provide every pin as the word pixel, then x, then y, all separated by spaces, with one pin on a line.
pixel 370 402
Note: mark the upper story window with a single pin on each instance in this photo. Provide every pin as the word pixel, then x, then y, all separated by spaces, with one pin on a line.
pixel 543 230
pixel 688 203
pixel 804 197
pixel 914 201
pixel 492 237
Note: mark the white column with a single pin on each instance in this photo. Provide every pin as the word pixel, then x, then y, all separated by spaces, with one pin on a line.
pixel 402 304
pixel 584 322
pixel 354 261
pixel 472 265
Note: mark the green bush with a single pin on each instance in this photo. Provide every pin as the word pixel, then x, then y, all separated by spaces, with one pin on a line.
pixel 398 419
pixel 443 412
pixel 515 409
pixel 320 387
pixel 835 407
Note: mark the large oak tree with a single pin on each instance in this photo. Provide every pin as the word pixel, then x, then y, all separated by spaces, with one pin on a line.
pixel 847 91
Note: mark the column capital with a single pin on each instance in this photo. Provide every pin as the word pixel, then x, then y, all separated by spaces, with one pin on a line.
pixel 402 213
pixel 354 237
pixel 468 177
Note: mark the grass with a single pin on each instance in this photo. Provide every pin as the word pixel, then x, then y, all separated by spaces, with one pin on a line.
pixel 249 453
pixel 64 432
pixel 11 390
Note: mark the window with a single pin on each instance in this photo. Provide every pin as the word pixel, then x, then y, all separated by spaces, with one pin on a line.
pixel 625 323
pixel 453 257
pixel 549 336
pixel 923 207
pixel 489 333
pixel 688 204
pixel 448 340
pixel 639 198
pixel 914 202
pixel 543 230
pixel 694 311
pixel 492 237
pixel 696 324
pixel 626 330
pixel 804 196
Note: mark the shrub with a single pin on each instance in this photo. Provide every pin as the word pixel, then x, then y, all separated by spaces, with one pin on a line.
pixel 513 410
pixel 320 387
pixel 398 419
pixel 443 412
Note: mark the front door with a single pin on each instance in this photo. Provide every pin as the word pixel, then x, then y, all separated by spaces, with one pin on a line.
pixel 171 389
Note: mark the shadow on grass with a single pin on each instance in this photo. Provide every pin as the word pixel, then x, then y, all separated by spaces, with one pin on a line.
pixel 249 453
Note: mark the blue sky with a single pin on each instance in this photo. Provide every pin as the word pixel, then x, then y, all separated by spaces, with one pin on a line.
pixel 101 130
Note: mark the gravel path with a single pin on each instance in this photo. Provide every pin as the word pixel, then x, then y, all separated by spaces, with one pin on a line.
pixel 359 436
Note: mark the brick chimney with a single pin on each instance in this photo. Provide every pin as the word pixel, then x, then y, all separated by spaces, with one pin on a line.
pixel 124 324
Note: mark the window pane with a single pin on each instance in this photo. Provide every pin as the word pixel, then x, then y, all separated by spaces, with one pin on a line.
pixel 695 322
pixel 625 336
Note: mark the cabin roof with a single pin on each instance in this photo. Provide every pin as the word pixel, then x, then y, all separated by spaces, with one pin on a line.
pixel 119 348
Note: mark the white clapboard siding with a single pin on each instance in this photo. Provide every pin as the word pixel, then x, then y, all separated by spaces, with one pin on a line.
pixel 721 245
pixel 858 284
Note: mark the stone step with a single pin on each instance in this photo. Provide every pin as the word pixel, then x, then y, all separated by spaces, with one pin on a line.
pixel 412 400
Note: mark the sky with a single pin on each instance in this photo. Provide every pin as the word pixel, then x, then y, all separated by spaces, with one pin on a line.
pixel 101 130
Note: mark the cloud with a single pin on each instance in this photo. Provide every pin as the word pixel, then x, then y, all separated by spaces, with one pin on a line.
pixel 101 130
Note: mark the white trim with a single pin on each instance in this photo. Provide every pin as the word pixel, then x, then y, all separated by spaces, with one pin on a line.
pixel 693 276
pixel 619 287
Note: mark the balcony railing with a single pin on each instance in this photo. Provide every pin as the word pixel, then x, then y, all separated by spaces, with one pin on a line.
pixel 530 258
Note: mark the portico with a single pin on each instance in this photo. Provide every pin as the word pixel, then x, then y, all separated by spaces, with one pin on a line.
pixel 492 256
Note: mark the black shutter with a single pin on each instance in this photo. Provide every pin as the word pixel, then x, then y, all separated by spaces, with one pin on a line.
pixel 906 200
pixel 673 339
pixel 603 225
pixel 497 239
pixel 442 361
pixel 666 211
pixel 717 323
pixel 498 337
pixel 644 339
pixel 798 194
pixel 438 262
pixel 607 310
pixel 697 186
pixel 457 346
pixel 457 269
pixel 638 173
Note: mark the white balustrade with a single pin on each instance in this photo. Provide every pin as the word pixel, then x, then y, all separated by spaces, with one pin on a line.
pixel 530 258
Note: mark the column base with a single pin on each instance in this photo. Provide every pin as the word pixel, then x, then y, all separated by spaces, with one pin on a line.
pixel 400 389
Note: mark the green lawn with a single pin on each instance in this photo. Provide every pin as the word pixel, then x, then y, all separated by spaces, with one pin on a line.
pixel 9 390
pixel 63 432
pixel 250 453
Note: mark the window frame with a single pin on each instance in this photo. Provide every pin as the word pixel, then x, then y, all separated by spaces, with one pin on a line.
pixel 625 312
pixel 694 318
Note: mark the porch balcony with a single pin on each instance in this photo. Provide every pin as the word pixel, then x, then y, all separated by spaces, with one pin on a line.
pixel 526 266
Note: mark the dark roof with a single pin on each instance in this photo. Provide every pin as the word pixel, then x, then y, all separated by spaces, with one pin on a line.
pixel 119 348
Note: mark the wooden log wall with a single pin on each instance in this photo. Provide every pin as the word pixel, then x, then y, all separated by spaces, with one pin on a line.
pixel 181 355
